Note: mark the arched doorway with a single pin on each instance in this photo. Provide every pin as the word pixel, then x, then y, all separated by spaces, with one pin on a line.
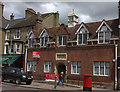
pixel 60 67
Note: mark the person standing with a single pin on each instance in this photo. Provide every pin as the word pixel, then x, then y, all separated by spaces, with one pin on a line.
pixel 61 79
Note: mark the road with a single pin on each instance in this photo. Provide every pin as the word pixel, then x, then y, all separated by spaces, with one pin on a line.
pixel 16 88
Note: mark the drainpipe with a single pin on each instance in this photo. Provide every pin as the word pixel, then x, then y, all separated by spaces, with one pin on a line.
pixel 115 86
pixel 26 60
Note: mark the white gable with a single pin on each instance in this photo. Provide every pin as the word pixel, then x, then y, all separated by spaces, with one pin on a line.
pixel 30 35
pixel 82 29
pixel 103 27
pixel 44 34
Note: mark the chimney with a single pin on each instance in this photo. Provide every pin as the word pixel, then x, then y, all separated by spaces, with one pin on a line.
pixel 38 20
pixel 29 12
pixel 1 8
pixel 12 17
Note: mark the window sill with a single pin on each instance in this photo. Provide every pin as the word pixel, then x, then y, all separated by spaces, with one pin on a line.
pixel 17 38
pixel 75 73
pixel 102 75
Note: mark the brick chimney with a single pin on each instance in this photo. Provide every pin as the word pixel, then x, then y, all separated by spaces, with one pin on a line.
pixel 29 12
pixel 1 8
pixel 12 17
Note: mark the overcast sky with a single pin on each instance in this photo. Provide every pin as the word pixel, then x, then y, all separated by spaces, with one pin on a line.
pixel 87 11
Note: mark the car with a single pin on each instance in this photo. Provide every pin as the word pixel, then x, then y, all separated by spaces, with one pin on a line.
pixel 16 75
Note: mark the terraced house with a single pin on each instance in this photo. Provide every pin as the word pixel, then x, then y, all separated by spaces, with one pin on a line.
pixel 16 31
pixel 85 48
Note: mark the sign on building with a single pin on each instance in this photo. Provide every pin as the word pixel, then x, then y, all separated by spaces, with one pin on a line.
pixel 61 56
pixel 36 54
pixel 51 77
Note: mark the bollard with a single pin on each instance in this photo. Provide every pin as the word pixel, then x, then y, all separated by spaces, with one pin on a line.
pixel 55 85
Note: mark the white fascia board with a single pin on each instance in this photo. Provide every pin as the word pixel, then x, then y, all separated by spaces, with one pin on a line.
pixel 82 25
pixel 101 26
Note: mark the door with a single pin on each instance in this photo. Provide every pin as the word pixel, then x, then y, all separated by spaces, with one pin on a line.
pixel 61 68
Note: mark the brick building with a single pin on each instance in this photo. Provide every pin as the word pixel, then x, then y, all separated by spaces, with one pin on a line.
pixel 86 48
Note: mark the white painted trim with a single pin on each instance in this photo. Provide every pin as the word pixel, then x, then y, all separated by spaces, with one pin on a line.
pixel 82 25
pixel 48 66
pixel 62 40
pixel 29 34
pixel 93 40
pixel 50 42
pixel 15 34
pixel 114 39
pixel 101 26
pixel 76 68
pixel 6 35
pixel 71 41
pixel 61 58
pixel 82 38
pixel 7 26
pixel 42 33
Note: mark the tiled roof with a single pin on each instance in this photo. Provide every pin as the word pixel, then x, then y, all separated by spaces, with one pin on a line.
pixel 91 27
pixel 23 22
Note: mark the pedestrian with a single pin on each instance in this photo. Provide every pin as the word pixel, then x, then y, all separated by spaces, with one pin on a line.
pixel 61 79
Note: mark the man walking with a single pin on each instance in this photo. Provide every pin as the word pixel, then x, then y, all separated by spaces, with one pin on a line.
pixel 61 79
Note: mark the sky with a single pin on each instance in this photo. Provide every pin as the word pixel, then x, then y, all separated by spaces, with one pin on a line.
pixel 87 11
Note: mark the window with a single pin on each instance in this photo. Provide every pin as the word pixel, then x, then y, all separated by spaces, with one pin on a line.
pixel 31 42
pixel 6 49
pixel 17 34
pixel 82 38
pixel 104 35
pixel 7 34
pixel 76 67
pixel 102 68
pixel 47 66
pixel 62 40
pixel 17 48
pixel 31 66
pixel 44 41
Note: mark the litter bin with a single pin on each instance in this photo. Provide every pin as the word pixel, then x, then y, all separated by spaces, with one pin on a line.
pixel 87 82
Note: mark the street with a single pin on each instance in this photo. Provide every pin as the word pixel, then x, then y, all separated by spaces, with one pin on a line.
pixel 9 87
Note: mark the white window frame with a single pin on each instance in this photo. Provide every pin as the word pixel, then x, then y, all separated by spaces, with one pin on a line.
pixel 17 49
pixel 32 44
pixel 82 38
pixel 62 40
pixel 104 37
pixel 76 68
pixel 6 37
pixel 49 71
pixel 32 63
pixel 99 69
pixel 44 41
pixel 15 36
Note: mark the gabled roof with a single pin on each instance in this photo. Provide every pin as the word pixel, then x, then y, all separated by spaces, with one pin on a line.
pixel 24 22
pixel 91 27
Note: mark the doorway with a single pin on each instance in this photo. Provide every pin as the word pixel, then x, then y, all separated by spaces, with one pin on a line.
pixel 61 68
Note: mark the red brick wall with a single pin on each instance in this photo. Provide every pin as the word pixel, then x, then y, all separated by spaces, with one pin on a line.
pixel 86 54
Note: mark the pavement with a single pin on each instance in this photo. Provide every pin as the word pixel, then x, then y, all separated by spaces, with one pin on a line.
pixel 36 84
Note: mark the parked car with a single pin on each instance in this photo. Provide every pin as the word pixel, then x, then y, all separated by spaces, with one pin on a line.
pixel 16 75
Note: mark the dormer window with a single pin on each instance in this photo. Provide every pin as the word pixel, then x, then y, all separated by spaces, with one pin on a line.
pixel 31 40
pixel 44 38
pixel 44 41
pixel 82 35
pixel 17 34
pixel 104 35
pixel 62 40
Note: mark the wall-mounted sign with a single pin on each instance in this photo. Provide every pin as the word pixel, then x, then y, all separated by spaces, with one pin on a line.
pixel 36 54
pixel 61 56
pixel 51 77
pixel 68 61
